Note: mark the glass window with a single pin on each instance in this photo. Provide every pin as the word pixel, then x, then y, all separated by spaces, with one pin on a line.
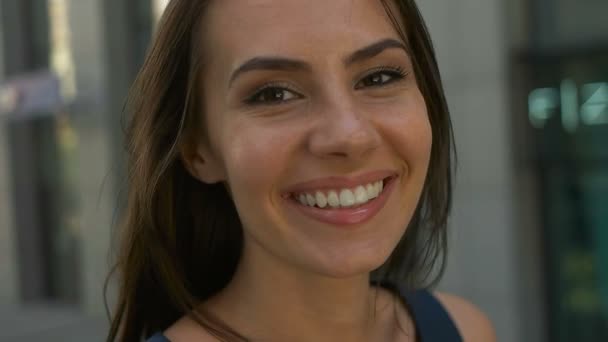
pixel 568 126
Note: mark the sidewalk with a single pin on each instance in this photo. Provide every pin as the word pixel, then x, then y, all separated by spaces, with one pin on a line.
pixel 49 324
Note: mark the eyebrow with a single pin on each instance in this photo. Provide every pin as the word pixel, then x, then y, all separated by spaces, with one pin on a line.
pixel 288 64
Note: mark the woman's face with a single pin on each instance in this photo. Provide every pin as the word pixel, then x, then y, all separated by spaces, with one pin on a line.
pixel 316 101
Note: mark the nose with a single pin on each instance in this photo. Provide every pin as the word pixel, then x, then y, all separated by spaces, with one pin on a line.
pixel 342 131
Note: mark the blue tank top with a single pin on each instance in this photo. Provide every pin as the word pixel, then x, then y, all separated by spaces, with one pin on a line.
pixel 433 323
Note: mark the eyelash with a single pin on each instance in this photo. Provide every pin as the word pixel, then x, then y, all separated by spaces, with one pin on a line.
pixel 396 73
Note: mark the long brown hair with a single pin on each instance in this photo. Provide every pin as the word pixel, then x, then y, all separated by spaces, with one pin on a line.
pixel 180 240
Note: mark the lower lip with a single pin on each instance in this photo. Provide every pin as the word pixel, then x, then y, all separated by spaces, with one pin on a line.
pixel 347 216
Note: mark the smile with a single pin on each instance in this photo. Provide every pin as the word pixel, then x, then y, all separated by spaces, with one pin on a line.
pixel 343 198
pixel 344 205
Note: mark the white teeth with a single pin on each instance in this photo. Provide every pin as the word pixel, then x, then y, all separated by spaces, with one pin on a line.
pixel 347 198
pixel 321 199
pixel 333 200
pixel 342 198
pixel 360 195
pixel 310 200
pixel 371 191
pixel 378 186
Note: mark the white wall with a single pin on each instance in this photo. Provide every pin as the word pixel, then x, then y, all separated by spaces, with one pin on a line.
pixel 471 43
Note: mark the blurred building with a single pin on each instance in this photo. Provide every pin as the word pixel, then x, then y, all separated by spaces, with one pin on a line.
pixel 527 84
pixel 61 166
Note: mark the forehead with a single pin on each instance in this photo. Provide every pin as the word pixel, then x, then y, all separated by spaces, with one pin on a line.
pixel 239 29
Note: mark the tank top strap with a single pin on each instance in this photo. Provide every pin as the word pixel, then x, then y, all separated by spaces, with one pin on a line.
pixel 158 338
pixel 433 323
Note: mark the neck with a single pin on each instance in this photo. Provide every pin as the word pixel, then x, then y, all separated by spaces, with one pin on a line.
pixel 269 300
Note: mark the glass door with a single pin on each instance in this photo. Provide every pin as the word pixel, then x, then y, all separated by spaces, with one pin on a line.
pixel 567 115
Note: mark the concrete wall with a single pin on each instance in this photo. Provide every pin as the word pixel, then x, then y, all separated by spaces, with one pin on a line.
pixel 8 274
pixel 94 176
pixel 470 37
pixel 108 41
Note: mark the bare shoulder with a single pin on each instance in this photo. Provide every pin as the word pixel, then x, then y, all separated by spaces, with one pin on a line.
pixel 473 324
pixel 187 330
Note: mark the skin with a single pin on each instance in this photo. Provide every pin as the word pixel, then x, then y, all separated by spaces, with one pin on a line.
pixel 300 279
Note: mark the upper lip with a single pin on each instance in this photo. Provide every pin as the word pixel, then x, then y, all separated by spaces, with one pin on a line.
pixel 340 182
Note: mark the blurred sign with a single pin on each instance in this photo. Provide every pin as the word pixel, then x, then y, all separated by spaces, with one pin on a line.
pixel 31 95
pixel 573 105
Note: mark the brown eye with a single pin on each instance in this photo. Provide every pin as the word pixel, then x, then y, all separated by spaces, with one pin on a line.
pixel 383 77
pixel 272 95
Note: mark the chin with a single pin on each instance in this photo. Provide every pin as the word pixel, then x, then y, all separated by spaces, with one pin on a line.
pixel 347 265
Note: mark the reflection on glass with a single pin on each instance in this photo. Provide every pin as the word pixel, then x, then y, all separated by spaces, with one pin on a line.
pixel 595 107
pixel 62 61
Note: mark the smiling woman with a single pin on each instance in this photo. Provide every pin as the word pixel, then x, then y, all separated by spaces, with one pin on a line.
pixel 290 167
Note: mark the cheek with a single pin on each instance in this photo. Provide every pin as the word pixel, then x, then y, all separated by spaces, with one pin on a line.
pixel 255 157
pixel 407 128
pixel 418 141
pixel 243 146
